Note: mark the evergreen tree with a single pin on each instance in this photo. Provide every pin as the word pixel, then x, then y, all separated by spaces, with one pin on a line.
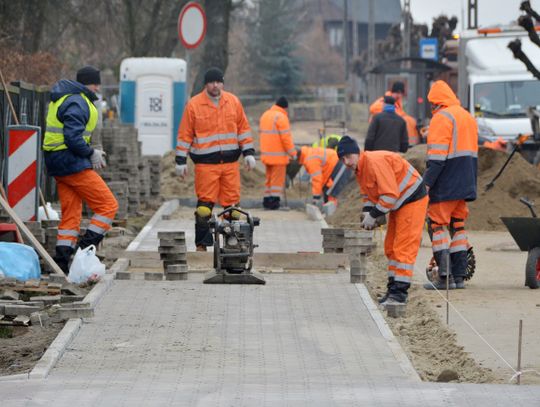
pixel 274 46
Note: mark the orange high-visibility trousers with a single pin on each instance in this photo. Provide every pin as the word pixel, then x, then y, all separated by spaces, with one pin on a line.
pixel 218 183
pixel 403 238
pixel 275 180
pixel 89 187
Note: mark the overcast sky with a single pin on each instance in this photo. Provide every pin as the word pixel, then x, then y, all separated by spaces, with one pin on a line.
pixel 489 11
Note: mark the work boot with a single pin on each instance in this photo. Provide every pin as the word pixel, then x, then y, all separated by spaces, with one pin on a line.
pixel 63 257
pixel 266 202
pixel 388 285
pixel 440 284
pixel 201 248
pixel 460 282
pixel 90 238
pixel 390 301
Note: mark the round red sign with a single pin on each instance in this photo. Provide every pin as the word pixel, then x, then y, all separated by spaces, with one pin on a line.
pixel 191 25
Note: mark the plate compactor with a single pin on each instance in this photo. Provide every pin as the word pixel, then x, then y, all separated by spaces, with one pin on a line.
pixel 233 248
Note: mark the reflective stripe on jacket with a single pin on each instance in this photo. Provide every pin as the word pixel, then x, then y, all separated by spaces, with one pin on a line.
pixel 54 134
pixel 387 181
pixel 275 137
pixel 319 163
pixel 452 148
pixel 213 134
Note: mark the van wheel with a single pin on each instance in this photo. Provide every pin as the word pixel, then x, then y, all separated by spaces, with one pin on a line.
pixel 532 269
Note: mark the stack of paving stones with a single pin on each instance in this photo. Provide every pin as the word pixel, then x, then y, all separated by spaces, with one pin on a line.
pixel 154 163
pixel 51 235
pixel 36 229
pixel 358 244
pixel 120 191
pixel 333 240
pixel 173 252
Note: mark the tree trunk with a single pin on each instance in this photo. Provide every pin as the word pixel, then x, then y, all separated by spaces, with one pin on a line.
pixel 216 43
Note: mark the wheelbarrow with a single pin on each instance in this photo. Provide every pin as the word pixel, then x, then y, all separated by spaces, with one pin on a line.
pixel 526 233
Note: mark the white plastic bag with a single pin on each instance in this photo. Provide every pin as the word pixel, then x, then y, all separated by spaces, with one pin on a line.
pixel 42 215
pixel 86 266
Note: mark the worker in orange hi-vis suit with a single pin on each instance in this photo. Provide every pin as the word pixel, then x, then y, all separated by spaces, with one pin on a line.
pixel 214 131
pixel 390 185
pixel 328 175
pixel 397 92
pixel 73 162
pixel 450 176
pixel 277 148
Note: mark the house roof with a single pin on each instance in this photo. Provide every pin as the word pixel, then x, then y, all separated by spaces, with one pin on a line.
pixel 386 11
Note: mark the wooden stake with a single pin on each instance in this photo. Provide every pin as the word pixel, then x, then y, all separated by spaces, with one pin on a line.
pixel 519 351
pixel 39 248
pixel 9 98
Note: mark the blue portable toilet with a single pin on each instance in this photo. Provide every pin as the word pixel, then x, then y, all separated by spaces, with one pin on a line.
pixel 152 98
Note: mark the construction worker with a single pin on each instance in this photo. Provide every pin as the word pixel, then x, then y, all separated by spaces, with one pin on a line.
pixel 328 176
pixel 390 185
pixel 451 180
pixel 214 131
pixel 329 141
pixel 72 162
pixel 277 148
pixel 397 92
pixel 387 131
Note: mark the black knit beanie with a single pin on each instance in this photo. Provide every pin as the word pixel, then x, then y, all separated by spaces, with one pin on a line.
pixel 282 102
pixel 213 75
pixel 88 75
pixel 398 87
pixel 347 146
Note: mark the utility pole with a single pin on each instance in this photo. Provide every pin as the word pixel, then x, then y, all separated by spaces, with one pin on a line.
pixel 371 47
pixel 472 14
pixel 406 16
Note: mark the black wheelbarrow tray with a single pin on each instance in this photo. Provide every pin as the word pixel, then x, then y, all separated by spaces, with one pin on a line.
pixel 526 233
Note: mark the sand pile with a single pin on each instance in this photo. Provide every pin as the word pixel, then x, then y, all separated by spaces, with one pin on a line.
pixel 518 179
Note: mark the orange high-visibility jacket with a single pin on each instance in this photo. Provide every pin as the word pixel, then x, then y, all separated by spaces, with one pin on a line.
pixel 377 107
pixel 213 134
pixel 319 163
pixel 387 181
pixel 275 137
pixel 452 148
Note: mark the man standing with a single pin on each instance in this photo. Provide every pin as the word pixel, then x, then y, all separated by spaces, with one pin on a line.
pixel 69 158
pixel 328 175
pixel 390 185
pixel 397 92
pixel 451 180
pixel 277 148
pixel 387 131
pixel 215 131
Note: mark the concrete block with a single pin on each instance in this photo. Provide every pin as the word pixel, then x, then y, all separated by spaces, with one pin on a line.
pixel 153 276
pixel 39 319
pixel 47 299
pixel 177 268
pixel 176 276
pixel 71 298
pixel 32 283
pixel 173 257
pixel 57 286
pixel 396 310
pixel 358 279
pixel 20 309
pixel 67 313
pixel 172 249
pixel 171 234
pixel 123 275
pixel 358 234
pixel 172 242
pixel 6 294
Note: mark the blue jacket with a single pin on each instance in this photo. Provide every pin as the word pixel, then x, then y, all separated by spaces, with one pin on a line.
pixel 74 113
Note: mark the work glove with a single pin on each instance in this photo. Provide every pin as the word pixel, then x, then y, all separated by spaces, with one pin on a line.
pixel 181 170
pixel 369 222
pixel 98 159
pixel 250 162
pixel 329 208
pixel 317 201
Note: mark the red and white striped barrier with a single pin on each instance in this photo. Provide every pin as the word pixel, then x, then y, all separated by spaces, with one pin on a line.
pixel 22 170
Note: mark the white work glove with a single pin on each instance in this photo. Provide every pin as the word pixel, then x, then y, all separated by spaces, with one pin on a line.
pixel 181 170
pixel 329 208
pixel 250 162
pixel 369 222
pixel 98 159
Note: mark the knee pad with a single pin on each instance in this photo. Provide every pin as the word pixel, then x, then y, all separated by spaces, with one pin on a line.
pixel 203 211
pixel 233 215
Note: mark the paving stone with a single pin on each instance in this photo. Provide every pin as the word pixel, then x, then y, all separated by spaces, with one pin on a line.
pixel 176 275
pixel 20 309
pixel 177 268
pixel 67 313
pixel 6 294
pixel 40 319
pixel 123 275
pixel 153 276
pixel 47 299
pixel 396 310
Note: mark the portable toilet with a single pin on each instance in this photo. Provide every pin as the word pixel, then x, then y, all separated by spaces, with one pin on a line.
pixel 152 98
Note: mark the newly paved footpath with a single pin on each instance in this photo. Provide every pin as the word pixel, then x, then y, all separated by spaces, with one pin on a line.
pixel 300 340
